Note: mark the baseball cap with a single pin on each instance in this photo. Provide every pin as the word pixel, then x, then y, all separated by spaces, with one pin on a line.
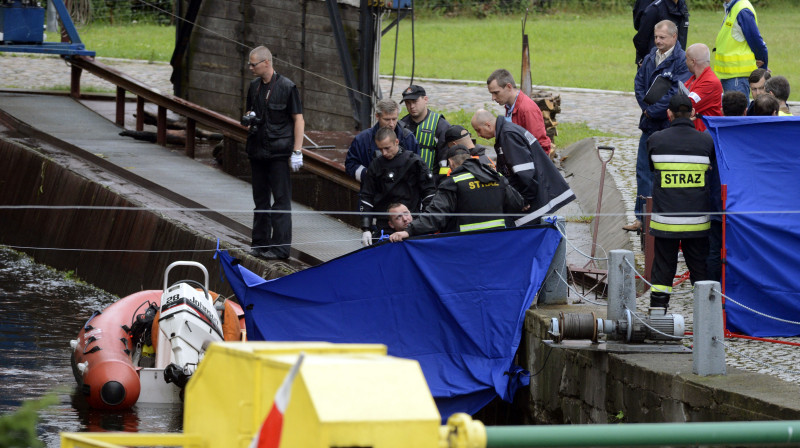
pixel 413 92
pixel 454 133
pixel 680 103
pixel 456 150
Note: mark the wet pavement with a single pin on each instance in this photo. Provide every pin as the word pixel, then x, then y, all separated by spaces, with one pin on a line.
pixel 611 112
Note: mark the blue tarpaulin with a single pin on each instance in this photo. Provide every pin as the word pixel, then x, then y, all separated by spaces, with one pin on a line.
pixel 759 160
pixel 455 303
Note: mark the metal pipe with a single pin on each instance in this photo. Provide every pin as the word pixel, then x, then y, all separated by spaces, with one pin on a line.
pixel 645 434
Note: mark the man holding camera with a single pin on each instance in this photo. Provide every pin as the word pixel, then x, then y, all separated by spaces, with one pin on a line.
pixel 275 118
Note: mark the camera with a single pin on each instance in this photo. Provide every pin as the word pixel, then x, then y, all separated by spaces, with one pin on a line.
pixel 250 120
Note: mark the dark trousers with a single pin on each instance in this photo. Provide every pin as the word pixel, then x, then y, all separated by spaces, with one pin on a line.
pixel 644 177
pixel 272 191
pixel 714 261
pixel 665 263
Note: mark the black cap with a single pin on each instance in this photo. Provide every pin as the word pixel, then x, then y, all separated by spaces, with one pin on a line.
pixel 680 103
pixel 456 150
pixel 413 92
pixel 454 133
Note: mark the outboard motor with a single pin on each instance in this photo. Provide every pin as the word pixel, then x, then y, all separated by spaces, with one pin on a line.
pixel 188 323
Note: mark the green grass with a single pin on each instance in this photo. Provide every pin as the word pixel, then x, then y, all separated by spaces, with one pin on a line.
pixel 141 41
pixel 567 49
pixel 568 133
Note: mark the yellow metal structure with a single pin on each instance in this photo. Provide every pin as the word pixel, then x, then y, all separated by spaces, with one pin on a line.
pixel 345 395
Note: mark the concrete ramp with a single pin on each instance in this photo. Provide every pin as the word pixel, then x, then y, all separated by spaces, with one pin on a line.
pixel 171 174
pixel 583 168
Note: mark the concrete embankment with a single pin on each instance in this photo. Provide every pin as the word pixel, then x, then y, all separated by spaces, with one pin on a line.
pixel 580 382
pixel 80 213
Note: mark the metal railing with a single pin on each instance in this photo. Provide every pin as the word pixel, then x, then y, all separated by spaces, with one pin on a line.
pixel 195 114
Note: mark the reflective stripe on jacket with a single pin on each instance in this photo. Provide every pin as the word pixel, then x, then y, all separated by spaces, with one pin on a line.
pixel 734 59
pixel 680 157
pixel 426 138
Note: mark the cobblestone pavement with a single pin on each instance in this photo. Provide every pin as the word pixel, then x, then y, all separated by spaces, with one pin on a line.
pixel 612 112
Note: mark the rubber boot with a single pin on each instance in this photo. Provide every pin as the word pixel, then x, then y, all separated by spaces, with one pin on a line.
pixel 660 301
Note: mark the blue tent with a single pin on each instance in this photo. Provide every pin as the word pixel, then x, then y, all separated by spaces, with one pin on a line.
pixel 455 303
pixel 759 160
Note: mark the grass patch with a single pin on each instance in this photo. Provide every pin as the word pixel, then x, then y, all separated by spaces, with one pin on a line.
pixel 567 49
pixel 142 41
pixel 568 133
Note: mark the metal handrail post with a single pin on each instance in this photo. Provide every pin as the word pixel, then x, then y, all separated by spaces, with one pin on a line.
pixel 708 353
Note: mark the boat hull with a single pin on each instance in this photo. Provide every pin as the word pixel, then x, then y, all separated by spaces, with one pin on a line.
pixel 101 359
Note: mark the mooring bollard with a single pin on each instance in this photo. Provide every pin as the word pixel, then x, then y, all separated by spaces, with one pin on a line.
pixel 708 354
pixel 621 284
pixel 554 290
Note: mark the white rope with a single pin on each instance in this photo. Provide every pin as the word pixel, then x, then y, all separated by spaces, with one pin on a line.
pixel 757 312
pixel 578 250
pixel 641 276
pixel 147 251
pixel 328 212
pixel 771 366
pixel 636 316
pixel 575 291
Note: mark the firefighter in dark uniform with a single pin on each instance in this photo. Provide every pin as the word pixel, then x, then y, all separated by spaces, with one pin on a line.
pixel 473 197
pixel 429 128
pixel 680 157
pixel 396 176
pixel 528 168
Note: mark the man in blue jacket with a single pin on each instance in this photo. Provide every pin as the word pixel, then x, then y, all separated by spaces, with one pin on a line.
pixel 363 149
pixel 656 82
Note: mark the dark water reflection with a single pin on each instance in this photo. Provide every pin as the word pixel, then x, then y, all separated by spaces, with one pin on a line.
pixel 40 312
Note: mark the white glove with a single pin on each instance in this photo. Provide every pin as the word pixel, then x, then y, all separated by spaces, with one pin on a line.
pixel 366 238
pixel 296 161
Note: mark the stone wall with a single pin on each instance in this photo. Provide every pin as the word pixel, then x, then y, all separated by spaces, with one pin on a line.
pixel 133 246
pixel 577 383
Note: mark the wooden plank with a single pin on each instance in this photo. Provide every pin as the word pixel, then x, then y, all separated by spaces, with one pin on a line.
pixel 220 28
pixel 215 45
pixel 223 103
pixel 290 37
pixel 222 9
pixel 214 81
pixel 321 23
pixel 317 41
pixel 287 5
pixel 212 63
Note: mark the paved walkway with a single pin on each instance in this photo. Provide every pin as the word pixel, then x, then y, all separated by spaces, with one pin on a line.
pixel 612 112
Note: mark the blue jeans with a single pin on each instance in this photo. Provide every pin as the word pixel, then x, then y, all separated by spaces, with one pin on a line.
pixel 740 84
pixel 644 177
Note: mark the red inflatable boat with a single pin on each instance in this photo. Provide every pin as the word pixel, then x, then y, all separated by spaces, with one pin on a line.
pixel 146 345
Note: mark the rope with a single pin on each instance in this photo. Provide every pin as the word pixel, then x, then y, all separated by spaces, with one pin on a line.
pixel 771 366
pixel 571 288
pixel 338 212
pixel 641 276
pixel 148 251
pixel 757 312
pixel 578 250
pixel 577 326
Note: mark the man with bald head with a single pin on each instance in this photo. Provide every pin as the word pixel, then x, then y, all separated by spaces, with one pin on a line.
pixel 521 159
pixel 705 89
